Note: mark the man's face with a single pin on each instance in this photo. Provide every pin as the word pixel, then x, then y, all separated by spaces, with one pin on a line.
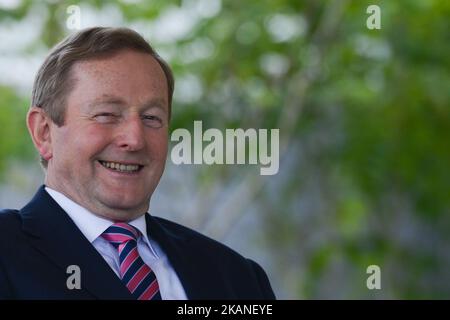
pixel 110 153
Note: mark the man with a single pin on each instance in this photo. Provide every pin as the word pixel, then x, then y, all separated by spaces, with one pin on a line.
pixel 99 120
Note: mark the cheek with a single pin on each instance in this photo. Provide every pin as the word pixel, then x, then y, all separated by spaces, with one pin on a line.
pixel 82 144
pixel 158 145
pixel 93 140
pixel 61 145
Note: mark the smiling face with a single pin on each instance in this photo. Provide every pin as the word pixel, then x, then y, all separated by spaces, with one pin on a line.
pixel 110 153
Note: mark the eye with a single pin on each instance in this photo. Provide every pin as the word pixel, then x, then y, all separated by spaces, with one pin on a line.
pixel 106 117
pixel 152 121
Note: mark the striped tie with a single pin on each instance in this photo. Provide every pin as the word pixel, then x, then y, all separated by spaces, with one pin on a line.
pixel 135 274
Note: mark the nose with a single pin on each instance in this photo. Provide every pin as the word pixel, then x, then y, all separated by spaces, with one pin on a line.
pixel 131 134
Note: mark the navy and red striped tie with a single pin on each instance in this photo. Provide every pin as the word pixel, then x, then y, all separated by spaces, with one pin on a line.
pixel 135 274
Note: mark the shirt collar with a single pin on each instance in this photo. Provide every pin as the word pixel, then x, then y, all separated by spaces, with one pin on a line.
pixel 91 225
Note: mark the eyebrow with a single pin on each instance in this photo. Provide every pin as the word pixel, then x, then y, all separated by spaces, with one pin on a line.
pixel 106 99
pixel 111 99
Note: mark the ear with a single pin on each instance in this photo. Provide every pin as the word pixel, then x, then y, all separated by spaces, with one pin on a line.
pixel 38 124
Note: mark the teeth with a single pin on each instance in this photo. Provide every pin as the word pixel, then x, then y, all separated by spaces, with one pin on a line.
pixel 120 167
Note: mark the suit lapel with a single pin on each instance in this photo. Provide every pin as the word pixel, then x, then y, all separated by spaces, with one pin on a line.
pixel 54 234
pixel 182 256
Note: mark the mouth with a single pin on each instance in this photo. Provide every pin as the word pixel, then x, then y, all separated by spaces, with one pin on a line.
pixel 121 167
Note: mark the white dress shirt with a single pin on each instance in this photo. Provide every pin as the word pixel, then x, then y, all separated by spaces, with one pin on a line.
pixel 92 226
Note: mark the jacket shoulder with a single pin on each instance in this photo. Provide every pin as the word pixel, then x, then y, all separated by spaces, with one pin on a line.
pixel 9 218
pixel 228 263
pixel 10 231
pixel 10 222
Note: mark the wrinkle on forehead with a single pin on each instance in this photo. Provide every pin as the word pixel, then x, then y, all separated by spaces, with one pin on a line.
pixel 134 77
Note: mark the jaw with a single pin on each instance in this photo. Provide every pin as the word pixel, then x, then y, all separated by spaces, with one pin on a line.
pixel 117 203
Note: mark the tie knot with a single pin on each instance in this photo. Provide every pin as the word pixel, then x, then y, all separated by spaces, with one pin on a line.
pixel 120 233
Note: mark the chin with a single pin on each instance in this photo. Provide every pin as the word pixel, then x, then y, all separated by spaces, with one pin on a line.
pixel 129 204
pixel 122 217
pixel 124 203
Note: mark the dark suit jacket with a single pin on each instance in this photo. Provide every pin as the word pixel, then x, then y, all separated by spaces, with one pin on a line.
pixel 40 241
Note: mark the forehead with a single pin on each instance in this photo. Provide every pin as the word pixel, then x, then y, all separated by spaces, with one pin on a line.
pixel 133 76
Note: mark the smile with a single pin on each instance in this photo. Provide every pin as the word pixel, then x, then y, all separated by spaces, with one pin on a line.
pixel 120 167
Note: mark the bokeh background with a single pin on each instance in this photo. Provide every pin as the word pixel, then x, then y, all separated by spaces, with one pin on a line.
pixel 364 131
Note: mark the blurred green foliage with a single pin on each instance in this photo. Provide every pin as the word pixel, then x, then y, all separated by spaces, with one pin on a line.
pixel 364 124
pixel 15 142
